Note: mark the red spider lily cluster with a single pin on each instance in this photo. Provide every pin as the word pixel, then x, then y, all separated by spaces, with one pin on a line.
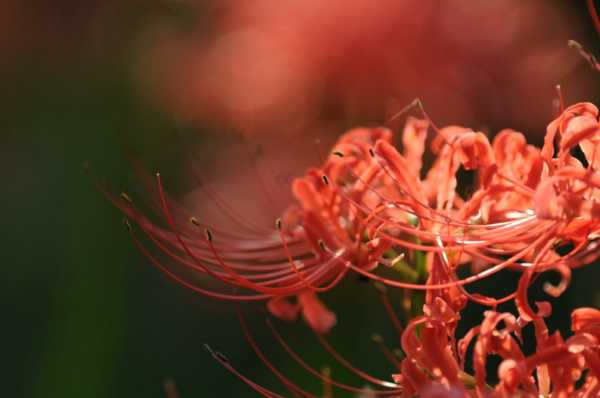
pixel 371 206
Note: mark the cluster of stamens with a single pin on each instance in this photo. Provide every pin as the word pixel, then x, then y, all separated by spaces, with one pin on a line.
pixel 370 206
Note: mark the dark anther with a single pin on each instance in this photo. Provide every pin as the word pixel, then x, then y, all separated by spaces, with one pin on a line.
pixel 126 198
pixel 127 224
pixel 322 244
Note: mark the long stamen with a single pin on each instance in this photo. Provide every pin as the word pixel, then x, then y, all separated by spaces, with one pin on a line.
pixel 181 281
pixel 350 367
pixel 389 355
pixel 227 365
pixel 385 300
pixel 461 282
pixel 314 372
pixel 594 14
pixel 284 380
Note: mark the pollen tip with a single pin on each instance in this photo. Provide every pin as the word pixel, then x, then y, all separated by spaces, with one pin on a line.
pixel 278 223
pixel 195 221
pixel 126 198
pixel 338 154
pixel 372 152
pixel 221 357
pixel 377 338
pixel 322 245
pixel 325 179
pixel 215 354
pixel 127 224
pixel 208 234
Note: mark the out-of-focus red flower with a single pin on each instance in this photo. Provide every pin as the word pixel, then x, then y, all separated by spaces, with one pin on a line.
pixel 265 64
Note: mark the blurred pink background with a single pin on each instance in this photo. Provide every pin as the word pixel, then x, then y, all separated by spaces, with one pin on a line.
pixel 285 66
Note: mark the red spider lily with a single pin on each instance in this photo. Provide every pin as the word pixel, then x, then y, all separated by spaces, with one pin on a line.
pixel 434 365
pixel 367 206
pixel 360 206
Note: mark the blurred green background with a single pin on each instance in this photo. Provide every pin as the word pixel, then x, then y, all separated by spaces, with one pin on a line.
pixel 83 315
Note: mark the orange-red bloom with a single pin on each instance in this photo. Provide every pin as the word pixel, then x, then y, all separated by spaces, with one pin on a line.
pixel 435 364
pixel 370 205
